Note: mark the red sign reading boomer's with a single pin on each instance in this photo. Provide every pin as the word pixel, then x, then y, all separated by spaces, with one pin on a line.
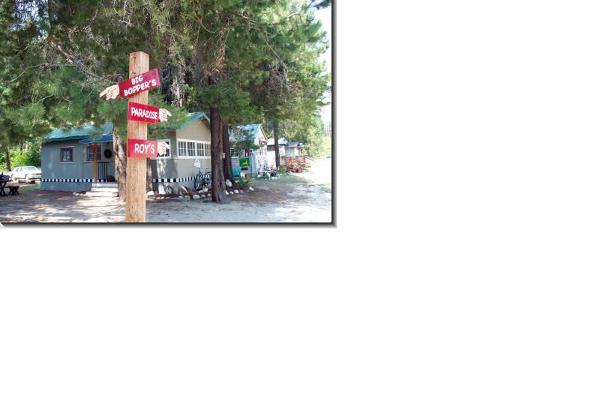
pixel 140 83
pixel 143 112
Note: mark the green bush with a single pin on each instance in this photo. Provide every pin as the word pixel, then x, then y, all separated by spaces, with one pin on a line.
pixel 30 156
pixel 241 183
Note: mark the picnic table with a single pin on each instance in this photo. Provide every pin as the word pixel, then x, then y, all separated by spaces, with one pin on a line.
pixel 13 189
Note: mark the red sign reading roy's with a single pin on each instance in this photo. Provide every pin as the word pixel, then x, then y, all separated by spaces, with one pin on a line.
pixel 140 83
pixel 143 113
pixel 140 148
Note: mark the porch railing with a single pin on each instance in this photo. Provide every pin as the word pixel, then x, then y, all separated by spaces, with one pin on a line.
pixel 101 170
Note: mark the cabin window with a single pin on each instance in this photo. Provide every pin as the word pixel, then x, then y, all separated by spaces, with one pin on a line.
pixel 92 153
pixel 193 149
pixel 181 148
pixel 203 149
pixel 66 154
pixel 168 153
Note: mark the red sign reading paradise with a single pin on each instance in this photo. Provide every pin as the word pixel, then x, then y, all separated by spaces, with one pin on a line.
pixel 140 83
pixel 140 148
pixel 142 112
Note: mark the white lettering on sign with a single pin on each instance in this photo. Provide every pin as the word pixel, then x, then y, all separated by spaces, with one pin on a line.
pixel 139 87
pixel 138 112
pixel 137 79
pixel 144 148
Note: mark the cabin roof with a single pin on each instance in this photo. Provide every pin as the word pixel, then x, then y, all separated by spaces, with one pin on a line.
pixel 86 131
pixel 254 129
pixel 89 133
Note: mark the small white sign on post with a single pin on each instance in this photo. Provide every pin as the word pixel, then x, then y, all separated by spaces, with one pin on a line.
pixel 162 148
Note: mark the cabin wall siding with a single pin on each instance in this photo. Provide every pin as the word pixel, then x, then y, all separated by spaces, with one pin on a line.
pixel 53 168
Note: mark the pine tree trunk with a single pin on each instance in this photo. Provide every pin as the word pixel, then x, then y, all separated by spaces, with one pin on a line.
pixel 276 142
pixel 227 169
pixel 177 90
pixel 120 164
pixel 6 156
pixel 216 151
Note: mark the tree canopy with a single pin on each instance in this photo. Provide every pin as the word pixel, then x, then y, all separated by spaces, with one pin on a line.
pixel 246 61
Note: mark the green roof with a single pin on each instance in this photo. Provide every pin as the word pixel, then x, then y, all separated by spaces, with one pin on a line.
pixel 95 134
pixel 83 132
pixel 252 129
pixel 172 126
pixel 191 117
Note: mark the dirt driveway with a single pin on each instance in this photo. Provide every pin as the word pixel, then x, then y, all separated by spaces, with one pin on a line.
pixel 294 198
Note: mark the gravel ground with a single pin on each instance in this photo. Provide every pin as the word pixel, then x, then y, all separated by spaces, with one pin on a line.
pixel 295 198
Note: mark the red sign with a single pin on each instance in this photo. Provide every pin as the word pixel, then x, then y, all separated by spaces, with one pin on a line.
pixel 140 83
pixel 142 112
pixel 140 148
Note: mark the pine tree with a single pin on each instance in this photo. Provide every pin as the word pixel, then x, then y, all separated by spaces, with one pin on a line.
pixel 21 103
pixel 243 62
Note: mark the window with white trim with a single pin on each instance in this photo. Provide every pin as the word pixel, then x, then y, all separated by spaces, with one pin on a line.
pixel 192 149
pixel 181 148
pixel 168 153
pixel 203 149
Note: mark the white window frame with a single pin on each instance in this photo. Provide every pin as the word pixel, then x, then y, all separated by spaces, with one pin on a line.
pixel 191 149
pixel 179 148
pixel 170 150
pixel 72 154
pixel 182 144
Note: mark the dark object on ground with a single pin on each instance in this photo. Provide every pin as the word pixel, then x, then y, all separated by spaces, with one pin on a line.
pixel 3 183
pixel 14 189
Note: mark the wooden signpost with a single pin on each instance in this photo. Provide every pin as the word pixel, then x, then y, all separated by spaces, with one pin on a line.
pixel 135 203
pixel 139 114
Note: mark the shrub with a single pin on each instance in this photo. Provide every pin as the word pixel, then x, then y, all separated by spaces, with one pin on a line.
pixel 30 156
pixel 241 183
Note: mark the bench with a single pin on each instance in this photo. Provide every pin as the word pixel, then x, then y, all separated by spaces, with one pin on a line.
pixel 14 189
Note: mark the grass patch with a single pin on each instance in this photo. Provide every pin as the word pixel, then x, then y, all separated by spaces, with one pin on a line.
pixel 28 187
pixel 281 180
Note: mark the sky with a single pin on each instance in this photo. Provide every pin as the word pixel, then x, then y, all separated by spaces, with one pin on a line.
pixel 324 16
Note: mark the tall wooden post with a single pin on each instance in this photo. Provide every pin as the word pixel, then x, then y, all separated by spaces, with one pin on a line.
pixel 135 201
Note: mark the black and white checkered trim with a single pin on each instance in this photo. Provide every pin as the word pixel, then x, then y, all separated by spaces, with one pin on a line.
pixel 73 180
pixel 173 180
pixel 88 180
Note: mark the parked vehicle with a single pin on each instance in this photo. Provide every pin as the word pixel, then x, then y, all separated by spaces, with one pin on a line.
pixel 27 173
